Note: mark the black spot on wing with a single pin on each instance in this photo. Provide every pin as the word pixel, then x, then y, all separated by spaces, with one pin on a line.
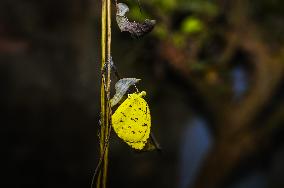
pixel 133 119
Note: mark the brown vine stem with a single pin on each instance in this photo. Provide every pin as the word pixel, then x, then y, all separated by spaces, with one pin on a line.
pixel 105 92
pixel 102 115
pixel 107 106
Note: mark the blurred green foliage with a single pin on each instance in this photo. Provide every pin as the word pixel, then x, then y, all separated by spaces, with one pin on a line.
pixel 166 5
pixel 177 20
pixel 191 25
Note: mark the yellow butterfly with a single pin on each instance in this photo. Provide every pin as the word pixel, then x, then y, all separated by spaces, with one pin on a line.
pixel 132 121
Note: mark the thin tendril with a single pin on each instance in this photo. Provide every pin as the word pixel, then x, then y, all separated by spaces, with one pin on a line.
pixel 107 137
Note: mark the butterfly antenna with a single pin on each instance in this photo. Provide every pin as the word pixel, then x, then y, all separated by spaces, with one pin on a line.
pixel 136 88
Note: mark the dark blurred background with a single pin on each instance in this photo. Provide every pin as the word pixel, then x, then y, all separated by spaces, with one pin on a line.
pixel 213 72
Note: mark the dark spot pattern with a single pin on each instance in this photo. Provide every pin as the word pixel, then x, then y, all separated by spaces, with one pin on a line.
pixel 137 113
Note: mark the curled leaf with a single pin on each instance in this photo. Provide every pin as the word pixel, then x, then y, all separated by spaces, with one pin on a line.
pixel 121 9
pixel 121 87
pixel 136 29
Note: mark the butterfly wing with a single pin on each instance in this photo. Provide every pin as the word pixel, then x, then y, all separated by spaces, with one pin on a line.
pixel 132 121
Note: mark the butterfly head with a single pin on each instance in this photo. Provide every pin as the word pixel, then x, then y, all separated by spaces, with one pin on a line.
pixel 142 94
